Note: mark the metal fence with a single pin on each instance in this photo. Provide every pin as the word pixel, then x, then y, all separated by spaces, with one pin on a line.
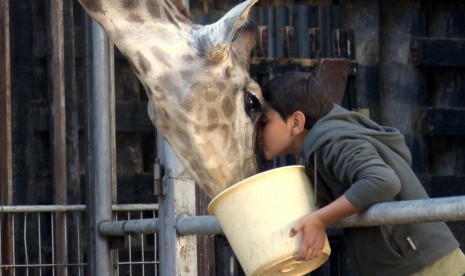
pixel 37 243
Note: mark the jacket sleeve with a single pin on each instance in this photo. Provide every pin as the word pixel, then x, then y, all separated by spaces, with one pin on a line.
pixel 357 166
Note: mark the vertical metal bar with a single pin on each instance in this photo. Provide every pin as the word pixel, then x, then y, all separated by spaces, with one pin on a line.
pixel 99 148
pixel 1 242
pixel 114 187
pixel 59 129
pixel 39 235
pixel 78 248
pixel 6 156
pixel 25 243
pixel 179 198
pixel 142 250
pixel 179 253
pixel 155 248
pixel 52 228
pixel 12 223
pixel 130 248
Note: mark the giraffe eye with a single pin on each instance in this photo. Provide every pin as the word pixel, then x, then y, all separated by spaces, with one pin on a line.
pixel 252 106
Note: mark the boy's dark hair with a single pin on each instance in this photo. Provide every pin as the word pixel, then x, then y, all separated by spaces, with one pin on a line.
pixel 297 91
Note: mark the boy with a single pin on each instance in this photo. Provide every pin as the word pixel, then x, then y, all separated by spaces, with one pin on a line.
pixel 357 163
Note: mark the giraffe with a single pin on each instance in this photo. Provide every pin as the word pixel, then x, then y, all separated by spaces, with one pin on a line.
pixel 201 96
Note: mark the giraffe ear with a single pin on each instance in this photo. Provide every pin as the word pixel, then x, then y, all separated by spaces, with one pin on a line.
pixel 220 34
pixel 244 42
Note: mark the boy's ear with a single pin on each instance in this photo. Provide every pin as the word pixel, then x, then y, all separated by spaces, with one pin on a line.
pixel 299 122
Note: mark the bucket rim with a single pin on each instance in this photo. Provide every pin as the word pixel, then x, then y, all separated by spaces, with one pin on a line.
pixel 247 181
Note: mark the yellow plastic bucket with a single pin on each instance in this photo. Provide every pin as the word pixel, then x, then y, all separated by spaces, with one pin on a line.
pixel 256 216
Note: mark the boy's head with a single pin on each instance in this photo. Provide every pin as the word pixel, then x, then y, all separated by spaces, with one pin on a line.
pixel 297 91
pixel 295 101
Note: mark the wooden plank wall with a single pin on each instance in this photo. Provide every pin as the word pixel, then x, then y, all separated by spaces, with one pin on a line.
pixel 410 76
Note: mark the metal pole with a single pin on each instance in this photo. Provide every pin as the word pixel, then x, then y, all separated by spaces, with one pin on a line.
pixel 129 227
pixel 409 211
pixel 400 212
pixel 178 254
pixel 198 225
pixel 99 148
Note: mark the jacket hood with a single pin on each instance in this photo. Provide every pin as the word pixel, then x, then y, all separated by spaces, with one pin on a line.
pixel 340 123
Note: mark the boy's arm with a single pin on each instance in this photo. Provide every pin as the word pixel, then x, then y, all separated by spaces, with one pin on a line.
pixel 313 227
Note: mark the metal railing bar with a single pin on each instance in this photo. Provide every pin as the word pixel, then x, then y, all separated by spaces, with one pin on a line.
pixel 130 248
pixel 42 265
pixel 79 244
pixel 72 208
pixel 41 208
pixel 400 212
pixel 138 263
pixel 40 241
pixel 410 211
pixel 53 240
pixel 190 225
pixel 134 207
pixel 129 227
pixel 25 242
pixel 14 245
pixel 155 249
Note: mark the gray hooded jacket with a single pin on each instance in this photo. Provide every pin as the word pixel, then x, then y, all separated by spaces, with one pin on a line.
pixel 369 163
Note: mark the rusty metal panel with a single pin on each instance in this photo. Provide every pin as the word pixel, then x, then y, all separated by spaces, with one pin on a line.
pixel 333 75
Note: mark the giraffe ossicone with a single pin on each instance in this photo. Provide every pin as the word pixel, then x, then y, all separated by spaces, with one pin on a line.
pixel 201 96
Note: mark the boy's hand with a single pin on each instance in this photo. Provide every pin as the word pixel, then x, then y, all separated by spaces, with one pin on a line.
pixel 313 227
pixel 313 237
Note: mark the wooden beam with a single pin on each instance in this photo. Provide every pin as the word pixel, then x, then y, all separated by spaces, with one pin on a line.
pixel 426 51
pixel 57 84
pixel 6 167
pixel 6 155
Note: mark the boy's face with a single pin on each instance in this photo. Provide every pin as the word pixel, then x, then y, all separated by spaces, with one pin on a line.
pixel 275 134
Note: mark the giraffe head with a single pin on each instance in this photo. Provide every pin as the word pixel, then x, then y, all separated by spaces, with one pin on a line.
pixel 201 96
